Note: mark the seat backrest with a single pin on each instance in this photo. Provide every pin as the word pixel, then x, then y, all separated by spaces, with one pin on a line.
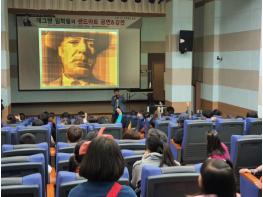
pixel 30 185
pixel 172 130
pixel 250 186
pixel 5 136
pixel 228 127
pixel 63 147
pixel 246 151
pixel 253 126
pixel 61 132
pixel 42 134
pixel 162 125
pixel 129 161
pixel 62 161
pixel 113 129
pixel 194 140
pixel 168 181
pixel 27 149
pixel 67 180
pixel 133 146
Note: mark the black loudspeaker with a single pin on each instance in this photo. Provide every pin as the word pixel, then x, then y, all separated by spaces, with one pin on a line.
pixel 186 41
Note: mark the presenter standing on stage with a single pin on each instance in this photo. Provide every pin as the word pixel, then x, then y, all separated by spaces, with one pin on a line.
pixel 117 101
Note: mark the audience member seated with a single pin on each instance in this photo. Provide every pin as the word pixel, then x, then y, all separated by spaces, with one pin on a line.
pixel 178 138
pixel 131 134
pixel 74 160
pixel 78 121
pixel 11 119
pixel 27 138
pixel 37 122
pixel 216 112
pixel 217 179
pixel 44 117
pixel 22 116
pixel 215 148
pixel 102 165
pixel 157 154
pixel 252 114
pixel 74 134
pixel 103 120
pixel 170 110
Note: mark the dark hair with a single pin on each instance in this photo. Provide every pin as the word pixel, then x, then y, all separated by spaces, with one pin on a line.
pixel 65 115
pixel 91 135
pixel 22 116
pixel 44 117
pixel 78 121
pixel 27 138
pixel 103 161
pixel 218 178
pixel 131 134
pixel 75 159
pixel 65 121
pixel 74 134
pixel 116 90
pixel 37 122
pixel 152 123
pixel 170 110
pixel 216 112
pixel 11 119
pixel 52 114
pixel 252 114
pixel 103 120
pixel 181 118
pixel 207 113
pixel 156 141
pixel 214 144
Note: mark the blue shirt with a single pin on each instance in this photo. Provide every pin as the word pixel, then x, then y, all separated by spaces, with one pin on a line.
pixel 99 189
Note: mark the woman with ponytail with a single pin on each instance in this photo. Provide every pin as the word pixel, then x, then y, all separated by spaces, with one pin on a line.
pixel 157 154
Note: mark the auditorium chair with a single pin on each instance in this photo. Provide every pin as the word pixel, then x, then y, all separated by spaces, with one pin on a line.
pixel 246 151
pixel 172 130
pixel 228 127
pixel 63 147
pixel 130 160
pixel 193 148
pixel 27 149
pixel 162 125
pixel 169 181
pixel 250 186
pixel 19 166
pixel 61 132
pixel 41 133
pixel 132 146
pixel 114 129
pixel 253 126
pixel 62 161
pixel 30 185
pixel 67 180
pixel 5 135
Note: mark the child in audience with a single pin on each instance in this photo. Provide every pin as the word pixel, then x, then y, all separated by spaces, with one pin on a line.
pixel 27 138
pixel 217 179
pixel 102 165
pixel 157 154
pixel 74 134
pixel 215 148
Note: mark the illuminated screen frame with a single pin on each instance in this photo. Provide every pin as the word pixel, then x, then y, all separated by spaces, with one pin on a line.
pixel 109 54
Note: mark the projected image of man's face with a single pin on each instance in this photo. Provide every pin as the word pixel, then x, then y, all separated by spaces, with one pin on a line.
pixel 78 56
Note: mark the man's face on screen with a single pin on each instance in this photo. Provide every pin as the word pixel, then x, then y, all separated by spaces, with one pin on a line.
pixel 78 56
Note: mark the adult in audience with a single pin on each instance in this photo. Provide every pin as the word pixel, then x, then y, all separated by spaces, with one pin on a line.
pixel 102 165
pixel 157 154
pixel 178 138
pixel 217 179
pixel 77 54
pixel 252 114
pixel 216 112
pixel 27 138
pixel 207 113
pixel 37 122
pixel 74 134
pixel 215 148
pixel 170 110
pixel 22 116
pixel 11 119
pixel 65 118
pixel 117 101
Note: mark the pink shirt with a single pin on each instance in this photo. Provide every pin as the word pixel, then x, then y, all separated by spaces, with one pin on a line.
pixel 225 156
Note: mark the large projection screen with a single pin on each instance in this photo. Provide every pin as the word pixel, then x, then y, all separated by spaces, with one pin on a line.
pixel 51 58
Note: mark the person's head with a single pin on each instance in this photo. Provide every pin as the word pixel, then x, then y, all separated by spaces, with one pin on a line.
pixel 11 119
pixel 103 120
pixel 118 110
pixel 152 123
pixel 117 92
pixel 81 114
pixel 44 117
pixel 65 115
pixel 103 161
pixel 157 141
pixel 216 112
pixel 170 110
pixel 252 114
pixel 27 138
pixel 78 121
pixel 37 122
pixel 217 177
pixel 207 113
pixel 74 134
pixel 77 156
pixel 181 118
pixel 22 116
pixel 214 143
pixel 65 121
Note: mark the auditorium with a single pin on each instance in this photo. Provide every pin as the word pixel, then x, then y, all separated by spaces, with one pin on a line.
pixel 131 98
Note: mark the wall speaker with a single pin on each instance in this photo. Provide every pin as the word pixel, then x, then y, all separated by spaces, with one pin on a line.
pixel 186 41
